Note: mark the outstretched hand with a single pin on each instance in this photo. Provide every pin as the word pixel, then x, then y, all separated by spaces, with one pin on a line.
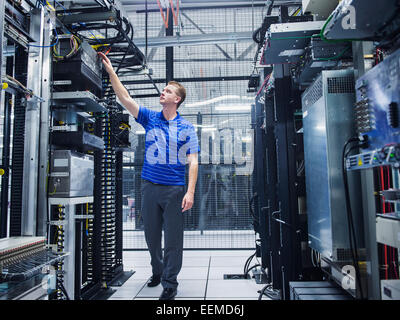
pixel 106 62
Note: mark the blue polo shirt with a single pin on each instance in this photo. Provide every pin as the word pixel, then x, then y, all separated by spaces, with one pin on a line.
pixel 167 145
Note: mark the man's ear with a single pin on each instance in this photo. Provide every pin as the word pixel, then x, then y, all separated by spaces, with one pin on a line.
pixel 178 99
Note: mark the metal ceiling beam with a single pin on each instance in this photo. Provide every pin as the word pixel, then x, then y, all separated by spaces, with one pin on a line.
pixel 153 50
pixel 194 79
pixel 203 32
pixel 246 51
pixel 201 6
pixel 197 39
pixel 187 3
pixel 139 6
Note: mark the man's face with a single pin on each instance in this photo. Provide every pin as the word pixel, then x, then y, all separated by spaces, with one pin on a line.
pixel 169 96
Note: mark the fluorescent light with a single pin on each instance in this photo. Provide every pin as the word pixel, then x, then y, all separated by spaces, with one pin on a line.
pixel 208 129
pixel 140 132
pixel 202 126
pixel 247 139
pixel 233 107
pixel 217 99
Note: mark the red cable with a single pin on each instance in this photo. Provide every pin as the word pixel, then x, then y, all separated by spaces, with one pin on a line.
pixel 262 86
pixel 382 188
pixel 389 185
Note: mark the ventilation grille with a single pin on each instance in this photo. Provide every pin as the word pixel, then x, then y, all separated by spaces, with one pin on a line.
pixel 313 94
pixel 341 85
pixel 343 254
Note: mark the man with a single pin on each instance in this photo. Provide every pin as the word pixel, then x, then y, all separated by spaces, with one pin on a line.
pixel 170 141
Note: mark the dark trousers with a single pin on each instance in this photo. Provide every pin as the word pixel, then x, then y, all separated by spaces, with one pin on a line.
pixel 162 207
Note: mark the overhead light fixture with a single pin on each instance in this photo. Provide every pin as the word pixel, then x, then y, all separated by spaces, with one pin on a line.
pixel 208 129
pixel 202 126
pixel 247 139
pixel 233 107
pixel 217 99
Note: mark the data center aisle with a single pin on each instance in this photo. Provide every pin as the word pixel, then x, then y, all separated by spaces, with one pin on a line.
pixel 201 277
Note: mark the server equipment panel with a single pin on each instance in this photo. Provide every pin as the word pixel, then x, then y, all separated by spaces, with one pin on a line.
pixel 328 121
pixel 378 115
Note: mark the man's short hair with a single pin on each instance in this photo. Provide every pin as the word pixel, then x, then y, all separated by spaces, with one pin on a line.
pixel 180 91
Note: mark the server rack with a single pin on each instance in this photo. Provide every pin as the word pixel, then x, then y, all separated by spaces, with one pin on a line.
pixel 261 218
pixel 18 148
pixel 280 184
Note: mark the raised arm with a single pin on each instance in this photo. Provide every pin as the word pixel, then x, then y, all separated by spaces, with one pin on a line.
pixel 121 92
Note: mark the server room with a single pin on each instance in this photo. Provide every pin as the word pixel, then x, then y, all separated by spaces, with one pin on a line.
pixel 200 150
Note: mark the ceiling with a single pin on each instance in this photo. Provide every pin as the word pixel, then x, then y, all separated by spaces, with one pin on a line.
pixel 139 5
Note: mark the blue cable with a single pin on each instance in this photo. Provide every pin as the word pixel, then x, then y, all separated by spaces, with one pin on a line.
pixel 69 13
pixel 33 45
pixel 84 24
pixel 62 7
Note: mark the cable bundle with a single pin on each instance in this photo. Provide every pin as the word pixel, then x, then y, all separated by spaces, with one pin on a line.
pixel 350 223
pixel 270 292
pixel 388 254
pixel 247 267
pixel 75 44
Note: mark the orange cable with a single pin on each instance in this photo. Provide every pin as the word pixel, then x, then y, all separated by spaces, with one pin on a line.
pixel 162 14
pixel 173 11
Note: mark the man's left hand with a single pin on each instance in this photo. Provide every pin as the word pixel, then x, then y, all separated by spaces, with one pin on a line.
pixel 187 202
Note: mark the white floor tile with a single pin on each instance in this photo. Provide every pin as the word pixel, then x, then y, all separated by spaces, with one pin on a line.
pixel 233 298
pixel 124 295
pixel 228 261
pixel 186 289
pixel 147 292
pixel 133 283
pixel 193 273
pixel 141 273
pixel 217 273
pixel 198 266
pixel 232 253
pixel 197 253
pixel 191 289
pixel 137 262
pixel 119 298
pixel 135 254
pixel 129 289
pixel 176 298
pixel 232 288
pixel 195 261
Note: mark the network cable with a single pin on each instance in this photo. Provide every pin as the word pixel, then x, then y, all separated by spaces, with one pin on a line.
pixel 350 224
